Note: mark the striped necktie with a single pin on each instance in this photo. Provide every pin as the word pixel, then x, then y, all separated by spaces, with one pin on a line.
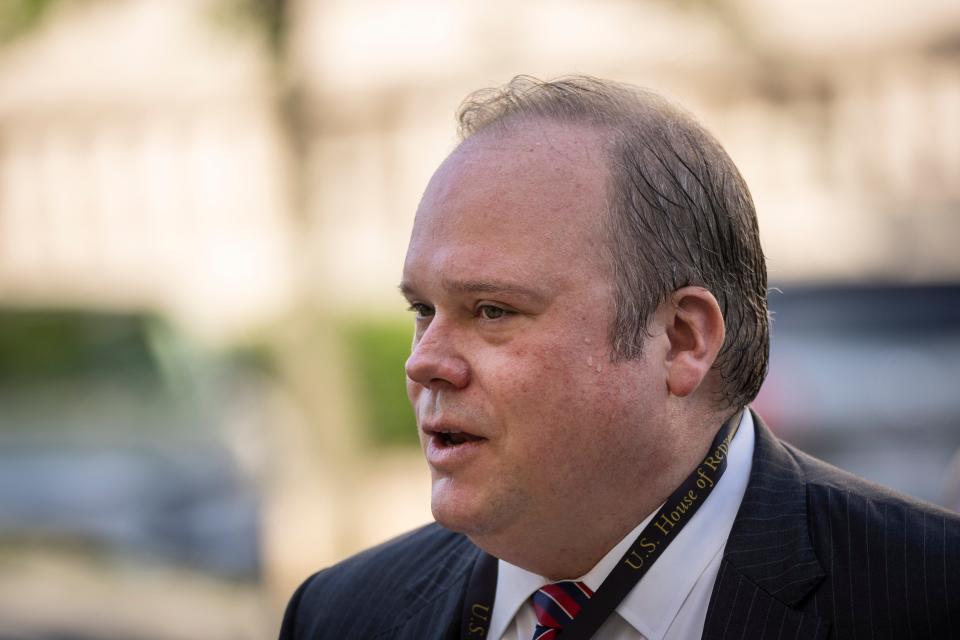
pixel 556 605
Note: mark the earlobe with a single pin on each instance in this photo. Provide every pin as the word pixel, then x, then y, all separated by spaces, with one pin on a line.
pixel 695 331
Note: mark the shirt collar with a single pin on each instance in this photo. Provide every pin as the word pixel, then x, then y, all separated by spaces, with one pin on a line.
pixel 654 603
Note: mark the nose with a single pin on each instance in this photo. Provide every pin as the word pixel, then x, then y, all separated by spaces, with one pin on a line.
pixel 434 360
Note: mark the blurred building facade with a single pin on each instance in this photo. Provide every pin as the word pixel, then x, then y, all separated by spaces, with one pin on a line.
pixel 847 135
pixel 147 160
pixel 141 166
pixel 160 156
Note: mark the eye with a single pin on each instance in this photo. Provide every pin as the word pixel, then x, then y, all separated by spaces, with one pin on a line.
pixel 422 310
pixel 490 312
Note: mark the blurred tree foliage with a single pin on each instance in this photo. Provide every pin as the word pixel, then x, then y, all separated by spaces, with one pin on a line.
pixel 18 17
pixel 43 346
pixel 268 18
pixel 377 350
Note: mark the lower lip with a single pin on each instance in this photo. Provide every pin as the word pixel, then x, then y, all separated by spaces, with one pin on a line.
pixel 442 456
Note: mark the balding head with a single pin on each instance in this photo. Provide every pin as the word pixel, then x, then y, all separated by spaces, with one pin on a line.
pixel 678 212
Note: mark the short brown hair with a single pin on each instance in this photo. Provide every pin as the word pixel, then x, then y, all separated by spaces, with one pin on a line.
pixel 680 213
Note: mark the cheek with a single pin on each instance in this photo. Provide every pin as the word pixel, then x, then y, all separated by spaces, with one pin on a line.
pixel 535 371
pixel 549 382
pixel 516 366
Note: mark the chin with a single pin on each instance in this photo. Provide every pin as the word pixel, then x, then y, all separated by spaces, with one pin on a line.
pixel 466 514
pixel 455 517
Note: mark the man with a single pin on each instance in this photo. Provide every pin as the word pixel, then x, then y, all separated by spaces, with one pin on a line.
pixel 589 295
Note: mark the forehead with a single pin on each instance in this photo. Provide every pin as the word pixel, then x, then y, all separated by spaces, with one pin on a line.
pixel 536 190
pixel 556 163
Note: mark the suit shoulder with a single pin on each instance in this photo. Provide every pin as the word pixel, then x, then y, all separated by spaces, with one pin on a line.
pixel 888 561
pixel 823 476
pixel 838 500
pixel 389 574
pixel 393 563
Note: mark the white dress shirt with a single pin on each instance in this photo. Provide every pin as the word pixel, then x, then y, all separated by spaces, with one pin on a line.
pixel 670 602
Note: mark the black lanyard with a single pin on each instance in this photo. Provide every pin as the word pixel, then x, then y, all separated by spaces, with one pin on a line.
pixel 662 529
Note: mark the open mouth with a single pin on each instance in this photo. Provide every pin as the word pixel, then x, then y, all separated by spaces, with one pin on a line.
pixel 455 438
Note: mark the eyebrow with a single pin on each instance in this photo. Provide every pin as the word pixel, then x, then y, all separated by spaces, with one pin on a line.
pixel 482 286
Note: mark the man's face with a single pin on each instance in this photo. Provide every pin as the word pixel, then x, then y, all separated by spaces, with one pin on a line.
pixel 523 412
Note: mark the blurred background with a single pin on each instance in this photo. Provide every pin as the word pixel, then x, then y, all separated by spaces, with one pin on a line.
pixel 204 206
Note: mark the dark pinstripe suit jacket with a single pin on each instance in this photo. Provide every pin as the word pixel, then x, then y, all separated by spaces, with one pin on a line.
pixel 814 553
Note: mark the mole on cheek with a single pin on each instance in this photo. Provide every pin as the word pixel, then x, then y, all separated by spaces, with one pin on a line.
pixel 523 388
pixel 545 364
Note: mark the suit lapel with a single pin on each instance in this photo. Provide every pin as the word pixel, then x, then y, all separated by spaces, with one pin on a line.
pixel 435 600
pixel 769 565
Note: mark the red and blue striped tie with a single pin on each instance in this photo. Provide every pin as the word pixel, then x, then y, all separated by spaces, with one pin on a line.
pixel 556 605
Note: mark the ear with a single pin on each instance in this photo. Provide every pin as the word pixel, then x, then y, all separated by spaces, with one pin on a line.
pixel 695 332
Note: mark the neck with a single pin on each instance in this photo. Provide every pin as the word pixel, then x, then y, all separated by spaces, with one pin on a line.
pixel 558 557
pixel 562 547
